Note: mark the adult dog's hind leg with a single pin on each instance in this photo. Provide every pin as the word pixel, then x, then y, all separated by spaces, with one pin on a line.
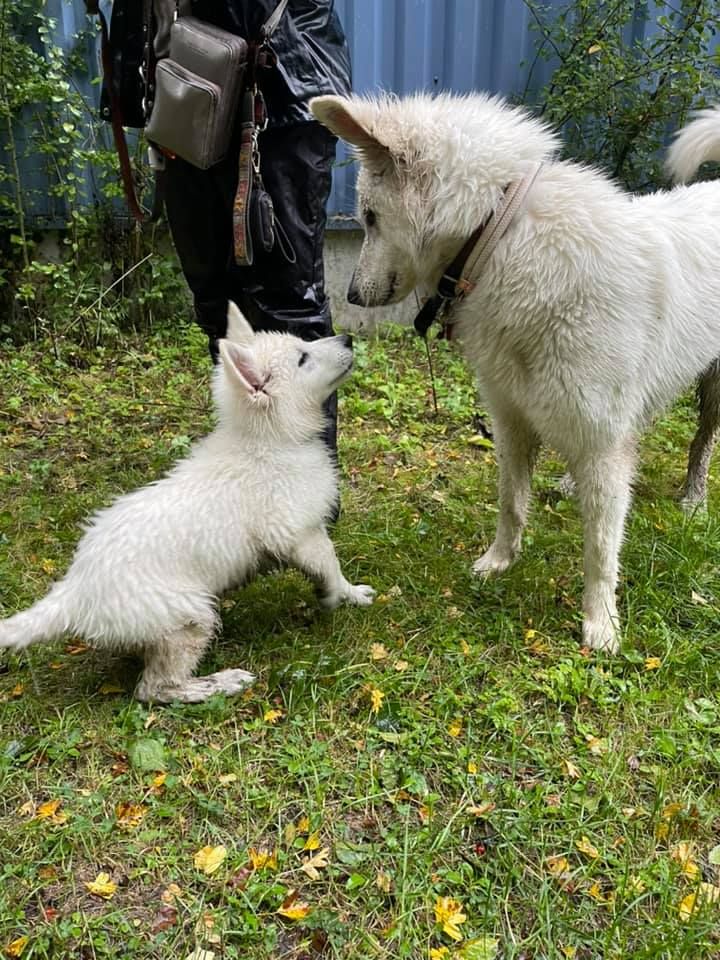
pixel 171 662
pixel 603 482
pixel 517 446
pixel 694 490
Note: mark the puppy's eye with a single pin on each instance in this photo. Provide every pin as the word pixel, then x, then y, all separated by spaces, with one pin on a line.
pixel 303 358
pixel 370 218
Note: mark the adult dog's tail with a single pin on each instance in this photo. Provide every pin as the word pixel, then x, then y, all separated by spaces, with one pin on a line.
pixel 696 143
pixel 44 621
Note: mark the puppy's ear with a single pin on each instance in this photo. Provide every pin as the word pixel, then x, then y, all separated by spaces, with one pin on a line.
pixel 238 329
pixel 348 119
pixel 241 369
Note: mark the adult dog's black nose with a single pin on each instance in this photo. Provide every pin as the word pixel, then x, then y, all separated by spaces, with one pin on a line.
pixel 353 294
pixel 346 340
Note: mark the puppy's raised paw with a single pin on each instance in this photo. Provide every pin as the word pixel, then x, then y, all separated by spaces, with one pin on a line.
pixel 360 595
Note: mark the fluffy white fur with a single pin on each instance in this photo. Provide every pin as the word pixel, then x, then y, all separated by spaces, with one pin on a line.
pixel 594 311
pixel 256 492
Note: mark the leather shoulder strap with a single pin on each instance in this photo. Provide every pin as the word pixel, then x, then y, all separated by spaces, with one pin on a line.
pixel 271 24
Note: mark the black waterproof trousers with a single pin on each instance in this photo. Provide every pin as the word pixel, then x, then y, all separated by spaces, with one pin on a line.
pixel 273 293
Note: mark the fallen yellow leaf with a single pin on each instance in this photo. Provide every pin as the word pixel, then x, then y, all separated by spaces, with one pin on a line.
pixel 303 825
pixel 272 716
pixel 313 841
pixel 261 859
pixel 294 909
pixel 571 770
pixel 706 893
pixel 448 913
pixel 672 810
pixel 584 846
pixel 171 893
pixel 130 815
pixel 682 853
pixel 558 866
pixel 15 948
pixel 376 699
pixel 378 651
pixel 595 891
pixel 102 886
pixel 439 953
pixel 482 809
pixel 596 746
pixel 227 778
pixel 401 665
pixel 383 881
pixel 653 663
pixel 49 811
pixel 208 859
pixel 455 728
pixel 472 767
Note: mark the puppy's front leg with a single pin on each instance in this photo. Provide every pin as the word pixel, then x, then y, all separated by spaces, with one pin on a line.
pixel 315 555
pixel 603 482
pixel 517 447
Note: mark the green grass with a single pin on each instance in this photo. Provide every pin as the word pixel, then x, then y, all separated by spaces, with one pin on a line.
pixel 498 746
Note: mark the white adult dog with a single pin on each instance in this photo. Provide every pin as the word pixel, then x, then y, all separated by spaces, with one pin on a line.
pixel 594 310
pixel 255 492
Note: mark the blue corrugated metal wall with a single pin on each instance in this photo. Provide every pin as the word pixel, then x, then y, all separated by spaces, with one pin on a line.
pixel 396 45
pixel 458 45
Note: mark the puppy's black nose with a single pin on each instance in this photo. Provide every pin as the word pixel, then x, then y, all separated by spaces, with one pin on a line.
pixel 346 340
pixel 353 294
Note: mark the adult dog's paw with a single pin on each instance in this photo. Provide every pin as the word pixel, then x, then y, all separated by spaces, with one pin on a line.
pixel 600 635
pixel 491 562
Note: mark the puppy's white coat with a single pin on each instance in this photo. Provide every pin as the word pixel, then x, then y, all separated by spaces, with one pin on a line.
pixel 256 492
pixel 595 309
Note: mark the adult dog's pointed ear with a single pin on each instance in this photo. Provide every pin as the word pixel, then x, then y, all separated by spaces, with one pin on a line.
pixel 238 329
pixel 349 119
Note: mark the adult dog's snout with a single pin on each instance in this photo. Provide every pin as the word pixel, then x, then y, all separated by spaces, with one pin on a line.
pixel 353 294
pixel 346 340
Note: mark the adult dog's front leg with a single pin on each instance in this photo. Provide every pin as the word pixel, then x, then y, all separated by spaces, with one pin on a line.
pixel 516 445
pixel 315 556
pixel 603 483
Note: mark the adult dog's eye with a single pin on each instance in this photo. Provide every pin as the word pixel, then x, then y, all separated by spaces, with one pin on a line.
pixel 303 358
pixel 370 218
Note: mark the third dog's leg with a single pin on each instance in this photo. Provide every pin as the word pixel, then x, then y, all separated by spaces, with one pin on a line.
pixel 694 489
pixel 603 483
pixel 517 447
pixel 315 556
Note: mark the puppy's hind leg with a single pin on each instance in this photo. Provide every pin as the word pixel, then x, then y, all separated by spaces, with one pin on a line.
pixel 171 662
pixel 315 555
pixel 603 482
pixel 694 491
pixel 517 447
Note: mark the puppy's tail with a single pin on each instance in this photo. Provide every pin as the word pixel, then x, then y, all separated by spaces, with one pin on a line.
pixel 695 144
pixel 43 622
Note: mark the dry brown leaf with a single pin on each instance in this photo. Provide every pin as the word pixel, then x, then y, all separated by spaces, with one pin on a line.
pixel 316 863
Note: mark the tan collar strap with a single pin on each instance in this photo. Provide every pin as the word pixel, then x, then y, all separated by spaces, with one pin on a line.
pixel 462 275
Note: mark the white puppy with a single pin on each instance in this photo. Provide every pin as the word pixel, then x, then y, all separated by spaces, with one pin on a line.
pixel 256 492
pixel 594 310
